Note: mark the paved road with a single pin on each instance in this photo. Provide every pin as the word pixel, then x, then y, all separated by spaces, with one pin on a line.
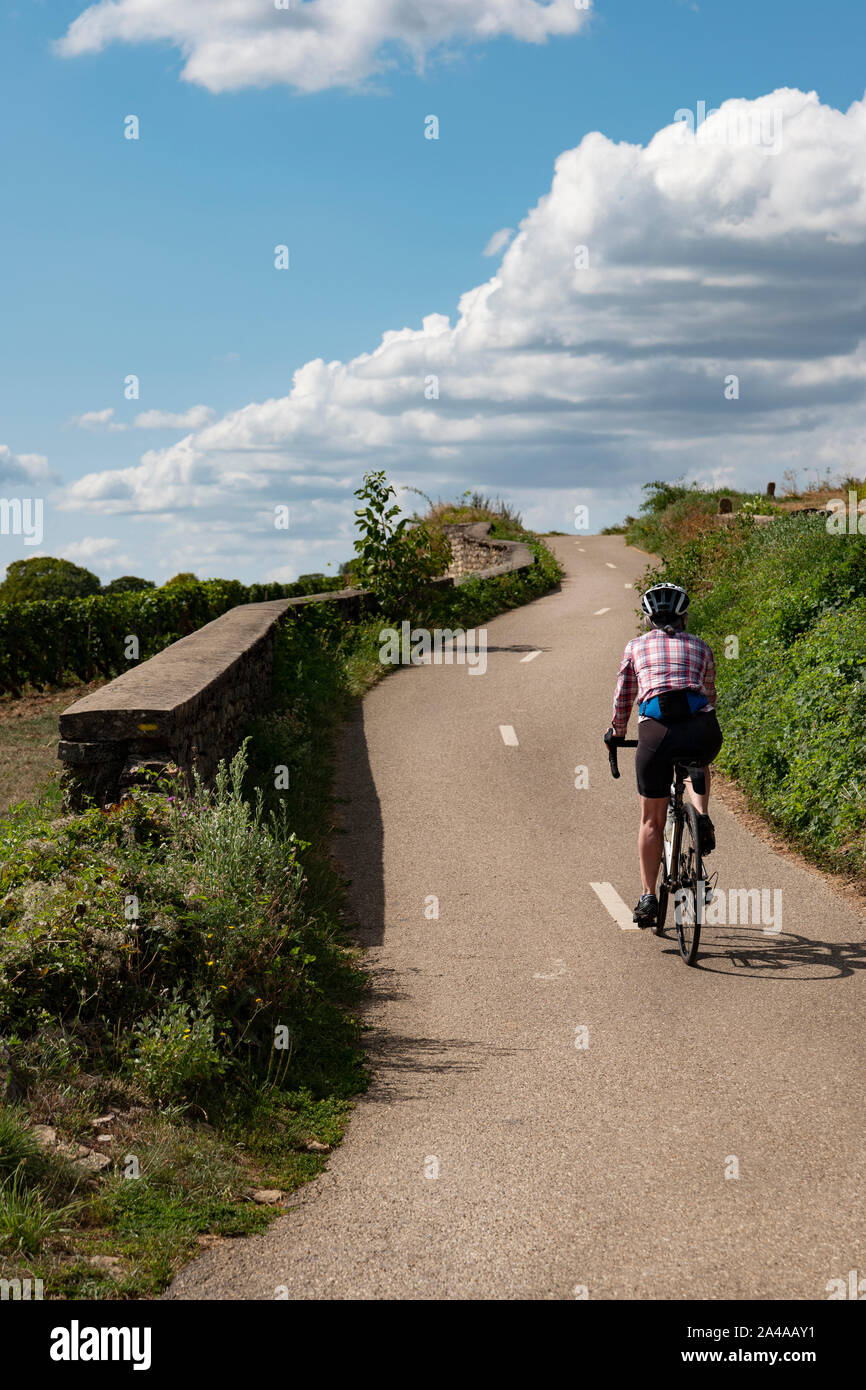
pixel 563 1168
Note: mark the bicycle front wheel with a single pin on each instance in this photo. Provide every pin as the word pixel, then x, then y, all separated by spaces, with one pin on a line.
pixel 673 826
pixel 689 897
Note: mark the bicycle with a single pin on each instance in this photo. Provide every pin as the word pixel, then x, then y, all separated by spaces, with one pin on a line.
pixel 682 868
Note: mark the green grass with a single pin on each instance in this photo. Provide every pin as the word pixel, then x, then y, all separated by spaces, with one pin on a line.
pixel 26 1219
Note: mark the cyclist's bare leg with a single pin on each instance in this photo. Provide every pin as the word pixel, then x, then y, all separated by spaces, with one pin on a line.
pixel 701 803
pixel 653 812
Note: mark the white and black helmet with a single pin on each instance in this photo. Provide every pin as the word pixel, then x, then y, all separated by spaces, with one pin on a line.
pixel 664 602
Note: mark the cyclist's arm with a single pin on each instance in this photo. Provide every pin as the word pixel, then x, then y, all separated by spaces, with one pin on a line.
pixel 624 695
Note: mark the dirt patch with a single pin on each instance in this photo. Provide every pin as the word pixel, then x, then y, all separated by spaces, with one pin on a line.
pixel 28 740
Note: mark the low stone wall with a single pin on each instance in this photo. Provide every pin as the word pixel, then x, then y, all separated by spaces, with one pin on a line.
pixel 188 705
pixel 185 706
pixel 477 556
pixel 728 518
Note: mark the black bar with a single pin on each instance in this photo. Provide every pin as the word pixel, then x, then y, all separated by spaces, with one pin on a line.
pixel 214 1343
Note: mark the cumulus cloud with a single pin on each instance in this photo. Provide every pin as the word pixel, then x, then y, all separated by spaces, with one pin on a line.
pixel 230 44
pixel 192 419
pixel 98 549
pixel 498 241
pixel 97 420
pixel 24 469
pixel 598 355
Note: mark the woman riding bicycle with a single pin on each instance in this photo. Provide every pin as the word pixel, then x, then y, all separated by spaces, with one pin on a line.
pixel 672 673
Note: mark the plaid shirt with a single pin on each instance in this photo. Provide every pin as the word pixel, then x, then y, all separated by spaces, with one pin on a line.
pixel 655 662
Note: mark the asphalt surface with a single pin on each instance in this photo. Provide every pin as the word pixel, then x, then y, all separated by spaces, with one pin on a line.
pixel 563 1168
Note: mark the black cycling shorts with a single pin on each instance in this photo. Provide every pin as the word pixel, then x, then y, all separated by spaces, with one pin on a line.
pixel 695 742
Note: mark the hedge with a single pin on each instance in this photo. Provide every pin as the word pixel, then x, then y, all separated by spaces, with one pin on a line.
pixel 52 642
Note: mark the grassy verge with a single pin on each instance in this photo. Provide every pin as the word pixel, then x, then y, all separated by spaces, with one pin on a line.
pixel 179 991
pixel 28 741
pixel 169 1063
pixel 784 607
pixel 674 513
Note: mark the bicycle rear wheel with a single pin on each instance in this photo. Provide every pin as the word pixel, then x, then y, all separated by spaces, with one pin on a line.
pixel 689 873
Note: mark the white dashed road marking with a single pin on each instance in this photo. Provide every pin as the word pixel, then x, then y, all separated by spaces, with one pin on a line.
pixel 530 656
pixel 599 611
pixel 552 974
pixel 509 737
pixel 615 906
pixel 609 565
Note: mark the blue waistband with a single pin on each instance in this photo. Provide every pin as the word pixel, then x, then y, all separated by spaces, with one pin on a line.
pixel 653 709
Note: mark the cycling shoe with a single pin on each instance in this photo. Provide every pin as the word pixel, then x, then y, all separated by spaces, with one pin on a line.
pixel 647 910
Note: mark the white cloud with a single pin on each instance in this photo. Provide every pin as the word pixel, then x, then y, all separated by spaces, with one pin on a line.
pixel 555 382
pixel 498 241
pixel 229 44
pixel 24 469
pixel 97 420
pixel 192 419
pixel 94 549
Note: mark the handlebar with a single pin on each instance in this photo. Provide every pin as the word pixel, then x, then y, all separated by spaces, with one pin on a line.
pixel 613 743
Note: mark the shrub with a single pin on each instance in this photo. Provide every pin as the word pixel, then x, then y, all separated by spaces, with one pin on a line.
pixel 396 559
pixel 221 918
pixel 176 1051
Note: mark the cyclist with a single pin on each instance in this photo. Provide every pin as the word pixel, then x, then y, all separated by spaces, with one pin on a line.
pixel 672 673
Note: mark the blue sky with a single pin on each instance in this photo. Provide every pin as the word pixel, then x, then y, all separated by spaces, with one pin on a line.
pixel 155 257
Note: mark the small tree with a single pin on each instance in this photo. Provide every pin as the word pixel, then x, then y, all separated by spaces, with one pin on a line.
pixel 43 577
pixel 395 559
pixel 128 584
pixel 185 577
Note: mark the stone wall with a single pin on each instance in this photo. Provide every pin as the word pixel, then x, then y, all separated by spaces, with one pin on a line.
pixel 726 516
pixel 475 555
pixel 187 706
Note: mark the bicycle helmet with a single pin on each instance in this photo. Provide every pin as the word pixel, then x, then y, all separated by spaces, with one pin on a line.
pixel 664 603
